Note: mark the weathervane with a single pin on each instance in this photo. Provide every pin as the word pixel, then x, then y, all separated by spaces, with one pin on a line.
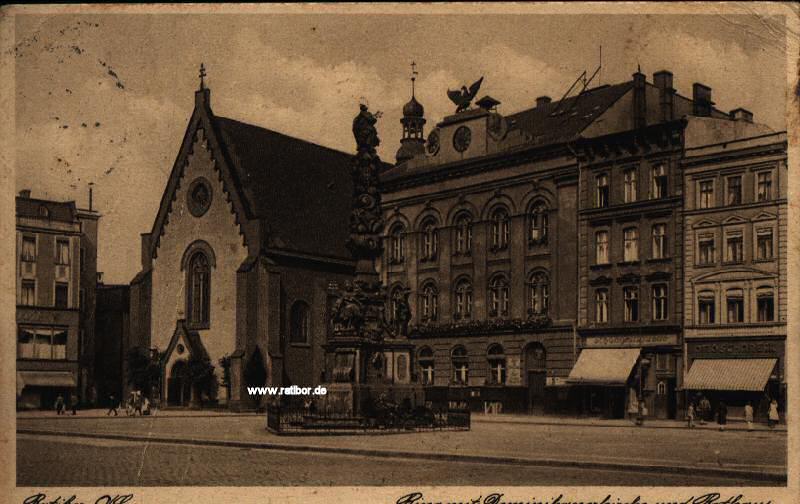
pixel 202 76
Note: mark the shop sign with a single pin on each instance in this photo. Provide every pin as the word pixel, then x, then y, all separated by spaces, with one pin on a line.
pixel 735 347
pixel 636 340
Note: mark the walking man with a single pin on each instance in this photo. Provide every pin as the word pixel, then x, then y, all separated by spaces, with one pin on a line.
pixel 113 405
pixel 59 405
pixel 73 403
pixel 722 415
pixel 748 415
pixel 690 416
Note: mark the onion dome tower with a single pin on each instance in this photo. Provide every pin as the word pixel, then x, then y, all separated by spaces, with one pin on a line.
pixel 413 142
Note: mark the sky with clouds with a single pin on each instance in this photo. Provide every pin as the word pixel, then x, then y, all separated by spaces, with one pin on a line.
pixel 105 98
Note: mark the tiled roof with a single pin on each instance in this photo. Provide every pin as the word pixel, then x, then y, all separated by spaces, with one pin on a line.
pixel 57 211
pixel 564 119
pixel 303 191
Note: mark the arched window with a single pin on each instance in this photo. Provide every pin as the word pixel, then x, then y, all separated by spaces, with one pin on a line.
pixel 538 293
pixel 463 241
pixel 463 307
pixel 299 330
pixel 500 224
pixel 425 359
pixel 199 290
pixel 429 302
pixel 460 362
pixel 397 244
pixel 430 240
pixel 496 358
pixel 498 292
pixel 538 224
pixel 394 301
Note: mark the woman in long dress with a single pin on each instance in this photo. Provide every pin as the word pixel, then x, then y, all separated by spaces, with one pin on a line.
pixel 774 418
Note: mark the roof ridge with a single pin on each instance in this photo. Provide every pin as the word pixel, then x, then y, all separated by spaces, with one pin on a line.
pixel 285 135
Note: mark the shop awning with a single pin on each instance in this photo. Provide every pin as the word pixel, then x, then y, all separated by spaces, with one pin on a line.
pixel 45 379
pixel 729 374
pixel 604 366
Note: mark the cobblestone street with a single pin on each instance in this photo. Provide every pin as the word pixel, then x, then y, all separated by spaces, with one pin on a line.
pixel 54 461
pixel 129 462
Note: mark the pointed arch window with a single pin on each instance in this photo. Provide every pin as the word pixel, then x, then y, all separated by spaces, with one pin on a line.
pixel 299 330
pixel 463 240
pixel 498 291
pixel 500 223
pixel 538 224
pixel 199 290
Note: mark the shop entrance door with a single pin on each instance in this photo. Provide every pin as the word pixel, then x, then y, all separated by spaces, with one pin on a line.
pixel 536 382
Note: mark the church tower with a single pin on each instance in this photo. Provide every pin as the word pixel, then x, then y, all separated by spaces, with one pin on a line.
pixel 413 142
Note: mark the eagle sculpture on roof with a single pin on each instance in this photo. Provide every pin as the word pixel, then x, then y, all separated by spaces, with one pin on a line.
pixel 463 98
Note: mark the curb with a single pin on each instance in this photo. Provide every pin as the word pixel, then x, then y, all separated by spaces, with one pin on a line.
pixel 485 459
pixel 477 419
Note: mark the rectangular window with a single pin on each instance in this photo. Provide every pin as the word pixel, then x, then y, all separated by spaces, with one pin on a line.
pixel 601 197
pixel 659 302
pixel 630 185
pixel 41 343
pixel 659 188
pixel 706 193
pixel 764 186
pixel 705 306
pixel 62 295
pixel 766 308
pixel 427 373
pixel 62 252
pixel 631 295
pixel 28 294
pixel 734 190
pixel 659 241
pixel 764 244
pixel 601 247
pixel 735 307
pixel 706 251
pixel 601 306
pixel 734 249
pixel 663 362
pixel 631 250
pixel 28 253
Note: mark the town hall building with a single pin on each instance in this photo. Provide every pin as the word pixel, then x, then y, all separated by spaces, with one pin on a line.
pixel 237 268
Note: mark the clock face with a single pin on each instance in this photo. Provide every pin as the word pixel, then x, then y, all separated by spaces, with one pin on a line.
pixel 199 196
pixel 433 142
pixel 461 139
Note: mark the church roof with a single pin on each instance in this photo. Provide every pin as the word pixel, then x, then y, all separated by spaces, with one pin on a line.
pixel 564 119
pixel 301 190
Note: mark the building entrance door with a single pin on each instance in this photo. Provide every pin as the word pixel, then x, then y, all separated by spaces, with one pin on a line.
pixel 536 374
pixel 179 389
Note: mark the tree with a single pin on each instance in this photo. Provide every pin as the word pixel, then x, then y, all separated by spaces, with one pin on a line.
pixel 144 372
pixel 200 373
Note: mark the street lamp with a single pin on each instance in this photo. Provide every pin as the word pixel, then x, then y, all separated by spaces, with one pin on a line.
pixel 643 365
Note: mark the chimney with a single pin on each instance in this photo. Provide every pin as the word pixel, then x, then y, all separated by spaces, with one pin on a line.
pixel 542 100
pixel 741 114
pixel 639 100
pixel 25 193
pixel 663 81
pixel 701 96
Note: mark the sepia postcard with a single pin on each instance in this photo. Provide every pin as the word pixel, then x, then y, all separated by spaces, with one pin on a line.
pixel 400 253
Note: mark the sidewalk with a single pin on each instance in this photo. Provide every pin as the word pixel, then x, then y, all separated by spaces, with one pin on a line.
pixel 733 424
pixel 101 413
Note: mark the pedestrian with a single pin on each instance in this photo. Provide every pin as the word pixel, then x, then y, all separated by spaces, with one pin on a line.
pixel 146 406
pixel 748 415
pixel 112 405
pixel 59 405
pixel 137 404
pixel 722 415
pixel 690 416
pixel 73 400
pixel 773 418
pixel 705 410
